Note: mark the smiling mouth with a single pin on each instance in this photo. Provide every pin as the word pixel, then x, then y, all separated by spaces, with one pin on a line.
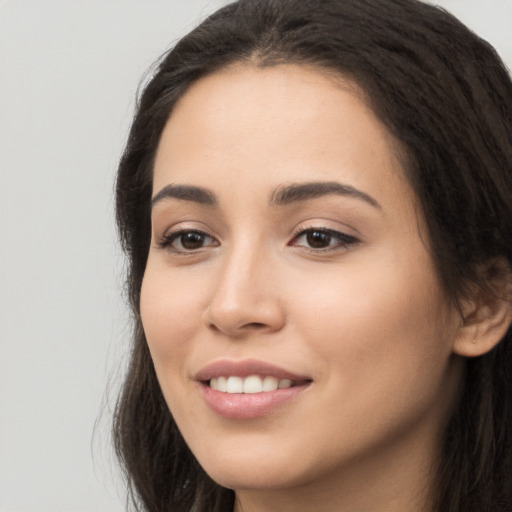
pixel 251 384
pixel 248 389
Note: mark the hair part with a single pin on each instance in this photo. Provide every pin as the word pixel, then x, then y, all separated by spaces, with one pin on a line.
pixel 445 95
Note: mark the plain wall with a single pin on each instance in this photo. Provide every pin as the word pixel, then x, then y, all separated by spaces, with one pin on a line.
pixel 69 71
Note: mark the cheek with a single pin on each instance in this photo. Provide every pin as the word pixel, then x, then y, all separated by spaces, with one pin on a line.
pixel 170 312
pixel 387 326
pixel 170 318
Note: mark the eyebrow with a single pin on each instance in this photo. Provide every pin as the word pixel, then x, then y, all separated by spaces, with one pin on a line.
pixel 282 196
pixel 186 193
pixel 304 191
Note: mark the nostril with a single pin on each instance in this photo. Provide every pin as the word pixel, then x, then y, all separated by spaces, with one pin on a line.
pixel 255 325
pixel 239 331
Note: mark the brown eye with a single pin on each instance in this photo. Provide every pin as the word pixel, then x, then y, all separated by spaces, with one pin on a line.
pixel 318 239
pixel 187 241
pixel 192 240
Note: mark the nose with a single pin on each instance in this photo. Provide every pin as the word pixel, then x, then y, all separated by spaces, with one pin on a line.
pixel 246 297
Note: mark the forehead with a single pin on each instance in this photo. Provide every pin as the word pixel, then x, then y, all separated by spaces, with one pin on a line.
pixel 254 126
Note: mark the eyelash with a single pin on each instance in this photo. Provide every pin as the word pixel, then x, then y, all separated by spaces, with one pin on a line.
pixel 169 238
pixel 343 241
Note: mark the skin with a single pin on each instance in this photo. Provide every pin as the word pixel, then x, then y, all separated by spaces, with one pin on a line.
pixel 367 321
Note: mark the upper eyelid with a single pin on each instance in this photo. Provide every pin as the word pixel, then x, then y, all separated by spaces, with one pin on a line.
pixel 183 226
pixel 177 232
pixel 348 231
pixel 174 231
pixel 332 232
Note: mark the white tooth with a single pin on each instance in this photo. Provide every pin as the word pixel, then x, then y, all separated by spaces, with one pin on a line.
pixel 285 383
pixel 222 384
pixel 270 383
pixel 235 385
pixel 213 383
pixel 253 384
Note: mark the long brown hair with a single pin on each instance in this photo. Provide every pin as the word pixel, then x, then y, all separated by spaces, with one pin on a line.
pixel 446 95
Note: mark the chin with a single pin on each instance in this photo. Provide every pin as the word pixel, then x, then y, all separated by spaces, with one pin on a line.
pixel 254 478
pixel 263 468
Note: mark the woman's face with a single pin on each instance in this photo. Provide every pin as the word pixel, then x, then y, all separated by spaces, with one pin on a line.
pixel 288 246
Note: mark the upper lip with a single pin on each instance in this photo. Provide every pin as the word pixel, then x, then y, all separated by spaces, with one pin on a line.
pixel 244 368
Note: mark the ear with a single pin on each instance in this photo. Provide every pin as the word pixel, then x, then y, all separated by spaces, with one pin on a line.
pixel 487 312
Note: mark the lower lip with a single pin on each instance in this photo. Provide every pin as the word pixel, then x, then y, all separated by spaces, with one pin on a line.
pixel 243 406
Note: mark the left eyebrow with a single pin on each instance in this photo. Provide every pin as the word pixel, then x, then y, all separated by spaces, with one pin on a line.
pixel 185 193
pixel 297 192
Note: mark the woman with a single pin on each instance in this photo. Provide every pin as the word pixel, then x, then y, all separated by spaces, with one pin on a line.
pixel 316 202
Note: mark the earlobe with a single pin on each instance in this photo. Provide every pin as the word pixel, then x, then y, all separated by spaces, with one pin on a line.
pixel 488 315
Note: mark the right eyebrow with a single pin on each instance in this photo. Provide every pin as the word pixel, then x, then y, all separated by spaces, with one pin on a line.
pixel 185 193
pixel 297 192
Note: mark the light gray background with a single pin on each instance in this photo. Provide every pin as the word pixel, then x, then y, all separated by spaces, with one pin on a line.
pixel 69 70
